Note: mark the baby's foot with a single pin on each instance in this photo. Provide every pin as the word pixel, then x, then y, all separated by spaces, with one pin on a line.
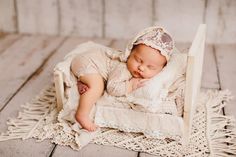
pixel 82 88
pixel 86 123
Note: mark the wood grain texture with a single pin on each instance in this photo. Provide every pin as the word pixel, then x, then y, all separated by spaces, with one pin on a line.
pixel 7 16
pixel 209 72
pixel 93 150
pixel 26 93
pixel 7 40
pixel 37 16
pixel 193 80
pixel 81 18
pixel 226 57
pixel 123 19
pixel 221 21
pixel 179 17
pixel 22 59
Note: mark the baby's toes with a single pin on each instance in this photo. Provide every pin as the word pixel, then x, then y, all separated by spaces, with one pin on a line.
pixel 93 128
pixel 81 91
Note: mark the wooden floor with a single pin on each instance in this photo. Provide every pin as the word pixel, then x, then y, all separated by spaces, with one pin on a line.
pixel 26 64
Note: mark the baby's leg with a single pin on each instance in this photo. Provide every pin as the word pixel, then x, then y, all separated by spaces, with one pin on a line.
pixel 95 89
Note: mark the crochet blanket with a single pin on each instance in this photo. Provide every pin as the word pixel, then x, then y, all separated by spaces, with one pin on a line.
pixel 212 133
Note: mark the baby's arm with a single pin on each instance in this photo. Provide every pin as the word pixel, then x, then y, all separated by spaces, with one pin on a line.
pixel 121 83
pixel 135 83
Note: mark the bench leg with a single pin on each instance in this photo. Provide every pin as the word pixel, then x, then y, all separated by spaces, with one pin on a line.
pixel 59 87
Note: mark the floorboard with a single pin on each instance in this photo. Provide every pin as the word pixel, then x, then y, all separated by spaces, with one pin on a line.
pixel 25 93
pixel 209 74
pixel 21 60
pixel 226 62
pixel 7 40
pixel 94 150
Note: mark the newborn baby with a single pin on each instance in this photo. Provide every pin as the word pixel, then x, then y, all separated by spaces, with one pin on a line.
pixel 119 74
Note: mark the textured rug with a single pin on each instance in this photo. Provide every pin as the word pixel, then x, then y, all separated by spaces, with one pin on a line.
pixel 212 134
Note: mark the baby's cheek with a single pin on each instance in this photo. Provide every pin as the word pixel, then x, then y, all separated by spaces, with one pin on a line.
pixel 152 74
pixel 132 66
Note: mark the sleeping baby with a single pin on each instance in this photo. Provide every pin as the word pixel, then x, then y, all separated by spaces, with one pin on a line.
pixel 119 74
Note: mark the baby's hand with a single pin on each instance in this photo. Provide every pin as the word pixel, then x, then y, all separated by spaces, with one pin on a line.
pixel 82 88
pixel 137 83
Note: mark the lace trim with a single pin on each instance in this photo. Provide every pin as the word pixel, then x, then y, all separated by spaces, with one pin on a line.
pixel 151 125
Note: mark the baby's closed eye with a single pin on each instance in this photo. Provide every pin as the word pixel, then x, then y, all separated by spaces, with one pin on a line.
pixel 138 60
pixel 151 67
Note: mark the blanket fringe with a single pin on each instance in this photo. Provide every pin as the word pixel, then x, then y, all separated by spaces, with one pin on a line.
pixel 32 115
pixel 221 130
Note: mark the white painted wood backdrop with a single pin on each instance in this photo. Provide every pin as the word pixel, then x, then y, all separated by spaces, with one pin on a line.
pixel 120 18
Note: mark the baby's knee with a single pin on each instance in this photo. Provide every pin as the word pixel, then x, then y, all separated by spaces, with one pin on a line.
pixel 74 65
pixel 94 82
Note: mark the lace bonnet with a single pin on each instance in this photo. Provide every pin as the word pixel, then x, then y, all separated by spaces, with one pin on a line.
pixel 155 37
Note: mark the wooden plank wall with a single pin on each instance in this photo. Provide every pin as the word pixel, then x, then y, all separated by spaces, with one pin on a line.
pixel 120 19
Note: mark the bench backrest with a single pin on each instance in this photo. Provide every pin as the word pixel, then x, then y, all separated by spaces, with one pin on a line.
pixel 193 79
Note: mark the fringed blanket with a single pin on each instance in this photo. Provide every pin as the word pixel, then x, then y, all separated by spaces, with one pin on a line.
pixel 212 133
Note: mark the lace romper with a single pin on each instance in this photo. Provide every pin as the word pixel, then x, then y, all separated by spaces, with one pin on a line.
pixel 114 72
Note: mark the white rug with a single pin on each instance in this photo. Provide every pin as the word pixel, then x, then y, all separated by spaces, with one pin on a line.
pixel 212 134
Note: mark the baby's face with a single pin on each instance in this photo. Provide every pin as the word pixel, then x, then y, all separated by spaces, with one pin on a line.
pixel 145 62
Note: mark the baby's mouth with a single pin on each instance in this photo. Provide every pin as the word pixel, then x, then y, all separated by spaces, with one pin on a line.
pixel 137 74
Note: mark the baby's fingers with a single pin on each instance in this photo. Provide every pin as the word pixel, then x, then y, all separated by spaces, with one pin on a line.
pixel 143 80
pixel 141 83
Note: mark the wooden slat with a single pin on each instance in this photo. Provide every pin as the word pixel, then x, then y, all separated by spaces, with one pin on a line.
pixel 7 16
pixel 22 59
pixel 221 21
pixel 226 56
pixel 209 73
pixel 123 19
pixel 26 148
pixel 180 18
pixel 193 79
pixel 37 16
pixel 8 39
pixel 93 150
pixel 81 18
